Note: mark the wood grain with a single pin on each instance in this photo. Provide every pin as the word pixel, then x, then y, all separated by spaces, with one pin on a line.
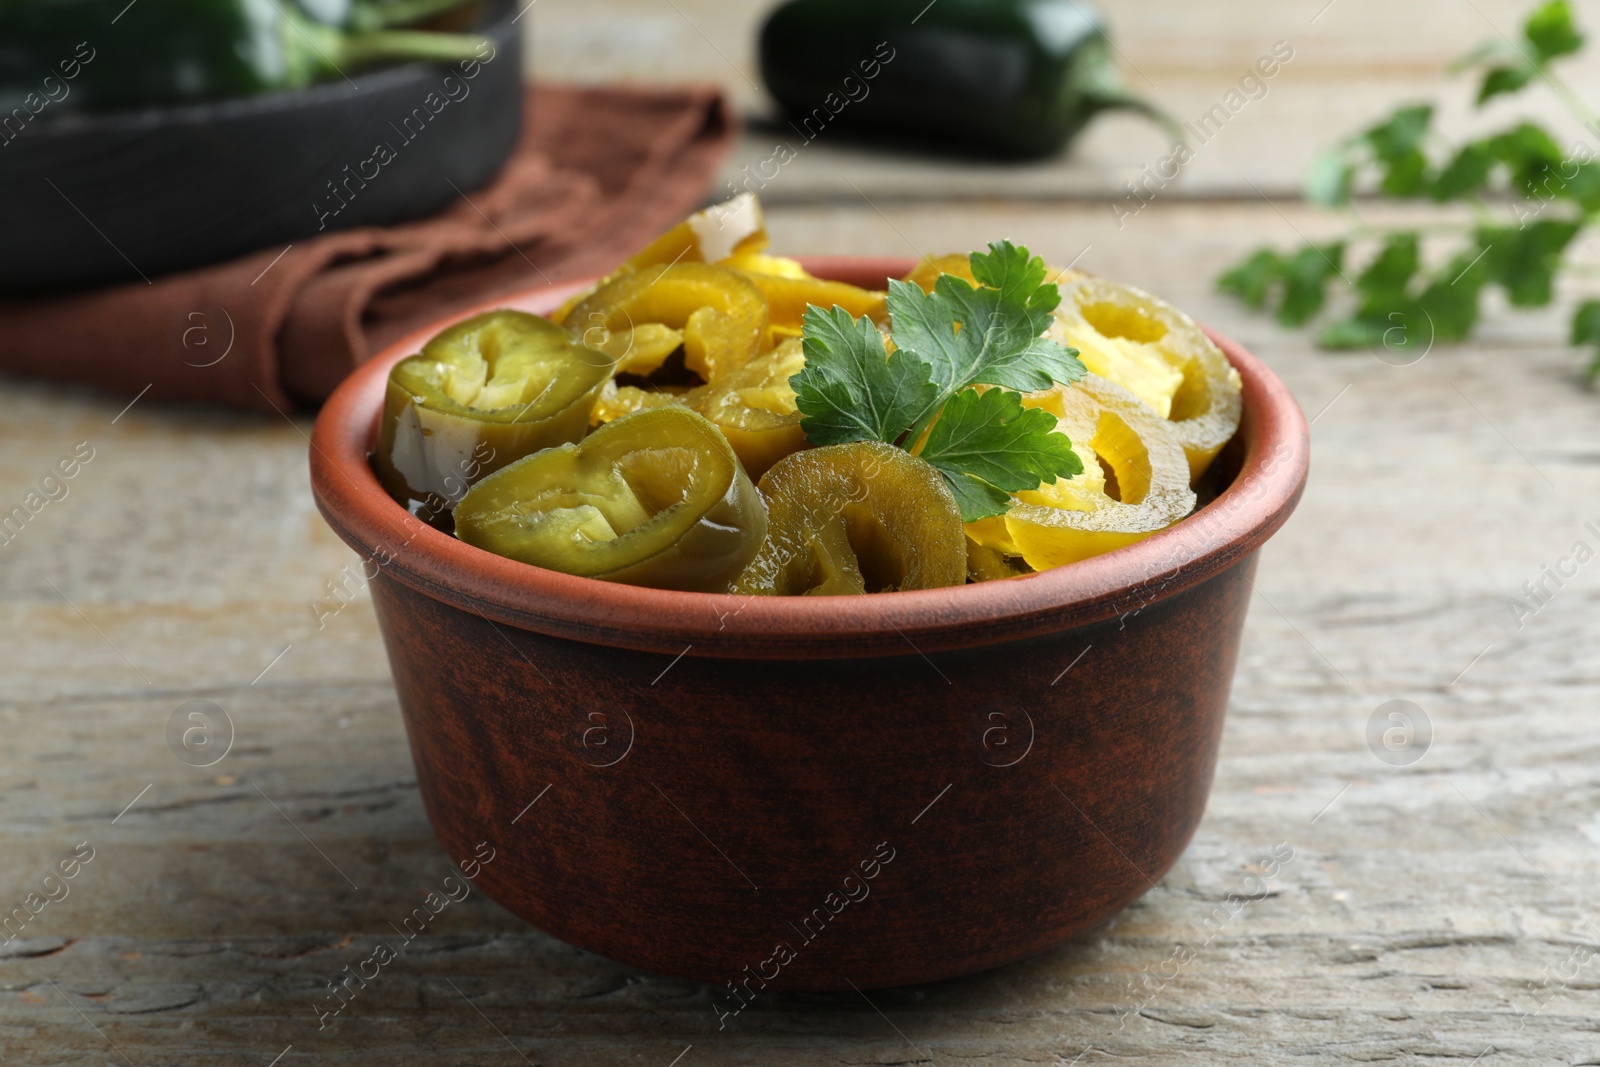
pixel 1424 911
pixel 1439 910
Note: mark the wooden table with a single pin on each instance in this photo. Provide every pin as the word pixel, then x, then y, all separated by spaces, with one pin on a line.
pixel 1439 909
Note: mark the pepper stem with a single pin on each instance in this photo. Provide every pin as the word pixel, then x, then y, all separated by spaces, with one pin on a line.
pixel 1127 101
pixel 315 51
pixel 373 45
pixel 1100 85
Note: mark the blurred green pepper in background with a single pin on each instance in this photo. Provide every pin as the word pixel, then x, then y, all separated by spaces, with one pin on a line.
pixel 153 52
pixel 1014 77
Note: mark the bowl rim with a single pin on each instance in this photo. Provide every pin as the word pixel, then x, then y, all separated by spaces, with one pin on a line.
pixel 510 593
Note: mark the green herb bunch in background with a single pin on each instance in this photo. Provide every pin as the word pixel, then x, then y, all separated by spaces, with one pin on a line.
pixel 1553 193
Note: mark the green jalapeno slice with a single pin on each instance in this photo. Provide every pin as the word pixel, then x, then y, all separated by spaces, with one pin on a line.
pixel 482 394
pixel 864 517
pixel 655 498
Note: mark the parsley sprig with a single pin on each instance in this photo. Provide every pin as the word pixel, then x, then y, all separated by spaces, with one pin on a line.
pixel 1398 300
pixel 923 397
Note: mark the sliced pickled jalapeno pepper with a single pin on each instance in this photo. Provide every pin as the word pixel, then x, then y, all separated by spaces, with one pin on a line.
pixel 761 263
pixel 722 314
pixel 639 350
pixel 619 400
pixel 787 299
pixel 1117 332
pixel 683 361
pixel 1159 354
pixel 986 563
pixel 926 274
pixel 1207 407
pixel 864 517
pixel 754 408
pixel 1139 486
pixel 654 498
pixel 758 263
pixel 722 231
pixel 480 395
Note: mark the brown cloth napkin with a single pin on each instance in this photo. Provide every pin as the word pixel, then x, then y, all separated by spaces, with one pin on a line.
pixel 597 174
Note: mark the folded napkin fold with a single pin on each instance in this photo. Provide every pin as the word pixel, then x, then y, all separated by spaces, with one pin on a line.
pixel 598 172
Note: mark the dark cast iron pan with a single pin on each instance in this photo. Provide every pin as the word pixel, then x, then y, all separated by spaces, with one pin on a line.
pixel 113 197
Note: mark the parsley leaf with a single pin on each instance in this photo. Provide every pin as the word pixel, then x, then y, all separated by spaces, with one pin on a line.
pixel 1583 186
pixel 1586 330
pixel 1500 81
pixel 1390 272
pixel 1450 301
pixel 999 341
pixel 1305 279
pixel 1551 32
pixel 1252 278
pixel 1466 173
pixel 1358 331
pixel 1524 259
pixel 1509 66
pixel 850 390
pixel 985 444
pixel 1530 155
pixel 1300 281
pixel 1331 177
pixel 988 446
pixel 1387 309
pixel 1396 145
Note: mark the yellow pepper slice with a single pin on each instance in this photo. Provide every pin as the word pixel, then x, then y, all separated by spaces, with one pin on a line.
pixel 1160 354
pixel 722 231
pixel 788 298
pixel 760 263
pixel 730 230
pixel 722 314
pixel 1118 332
pixel 1139 486
pixel 639 350
pixel 656 498
pixel 986 563
pixel 754 408
pixel 927 272
pixel 1207 407
pixel 864 517
pixel 618 400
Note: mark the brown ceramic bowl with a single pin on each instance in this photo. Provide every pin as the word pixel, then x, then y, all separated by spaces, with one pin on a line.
pixel 815 792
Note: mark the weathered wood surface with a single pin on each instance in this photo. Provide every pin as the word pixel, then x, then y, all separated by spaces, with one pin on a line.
pixel 1426 909
pixel 1441 909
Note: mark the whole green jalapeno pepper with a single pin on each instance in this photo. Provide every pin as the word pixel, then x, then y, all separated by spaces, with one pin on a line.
pixel 1014 77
